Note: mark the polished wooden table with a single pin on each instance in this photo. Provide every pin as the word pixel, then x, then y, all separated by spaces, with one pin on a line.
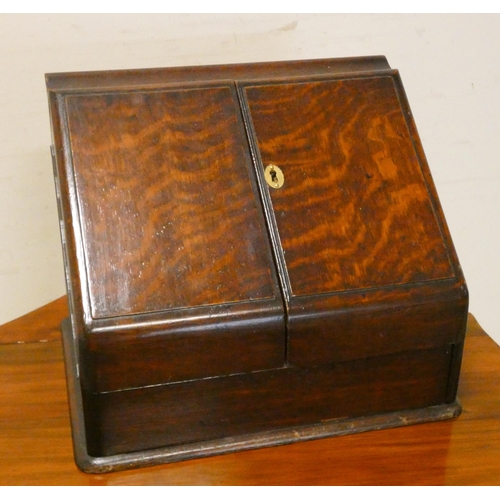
pixel 36 449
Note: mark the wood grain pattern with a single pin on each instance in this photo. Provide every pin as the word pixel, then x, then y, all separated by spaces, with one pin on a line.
pixel 169 268
pixel 41 325
pixel 376 322
pixel 205 347
pixel 354 194
pixel 182 334
pixel 35 436
pixel 168 214
pixel 364 254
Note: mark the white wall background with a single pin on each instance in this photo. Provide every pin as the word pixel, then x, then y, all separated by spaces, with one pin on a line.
pixel 450 65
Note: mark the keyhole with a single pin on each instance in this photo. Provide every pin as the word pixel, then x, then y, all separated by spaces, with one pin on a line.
pixel 274 176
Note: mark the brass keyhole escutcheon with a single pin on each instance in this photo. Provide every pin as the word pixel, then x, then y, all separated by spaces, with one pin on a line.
pixel 274 176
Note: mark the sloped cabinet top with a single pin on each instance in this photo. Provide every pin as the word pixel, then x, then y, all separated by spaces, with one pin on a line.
pixel 182 262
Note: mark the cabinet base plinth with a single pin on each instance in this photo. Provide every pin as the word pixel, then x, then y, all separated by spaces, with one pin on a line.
pixel 248 441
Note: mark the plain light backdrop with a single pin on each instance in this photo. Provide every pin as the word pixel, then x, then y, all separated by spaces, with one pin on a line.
pixel 450 66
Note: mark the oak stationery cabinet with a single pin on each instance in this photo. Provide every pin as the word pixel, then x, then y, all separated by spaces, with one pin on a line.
pixel 255 255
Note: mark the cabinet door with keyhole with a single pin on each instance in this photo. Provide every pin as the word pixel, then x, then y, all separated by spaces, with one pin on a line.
pixel 355 216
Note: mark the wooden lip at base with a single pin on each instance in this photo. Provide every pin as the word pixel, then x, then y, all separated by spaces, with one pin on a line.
pixel 337 427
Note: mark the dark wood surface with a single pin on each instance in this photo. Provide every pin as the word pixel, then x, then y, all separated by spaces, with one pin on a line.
pixel 178 323
pixel 366 257
pixel 36 448
pixel 163 193
pixel 226 407
pixel 165 199
pixel 152 77
pixel 354 195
